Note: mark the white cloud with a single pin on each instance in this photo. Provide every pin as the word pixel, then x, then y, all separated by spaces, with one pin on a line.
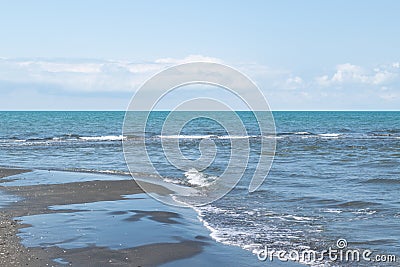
pixel 346 84
pixel 187 59
pixel 348 73
pixel 61 67
pixel 294 82
pixel 389 96
pixel 87 75
pixel 352 74
pixel 322 80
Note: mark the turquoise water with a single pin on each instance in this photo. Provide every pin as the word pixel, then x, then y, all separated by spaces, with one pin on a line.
pixel 335 174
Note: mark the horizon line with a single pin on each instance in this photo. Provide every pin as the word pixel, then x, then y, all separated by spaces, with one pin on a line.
pixel 275 110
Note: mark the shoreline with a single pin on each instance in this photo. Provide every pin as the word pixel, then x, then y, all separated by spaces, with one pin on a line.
pixel 162 235
pixel 36 200
pixel 12 252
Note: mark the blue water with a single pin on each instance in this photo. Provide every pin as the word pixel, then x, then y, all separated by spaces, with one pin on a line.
pixel 335 174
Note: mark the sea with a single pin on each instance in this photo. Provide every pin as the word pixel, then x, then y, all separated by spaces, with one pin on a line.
pixel 335 174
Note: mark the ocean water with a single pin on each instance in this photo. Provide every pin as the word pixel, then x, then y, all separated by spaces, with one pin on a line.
pixel 335 175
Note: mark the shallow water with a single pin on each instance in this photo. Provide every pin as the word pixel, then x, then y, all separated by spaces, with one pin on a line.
pixel 136 220
pixel 113 224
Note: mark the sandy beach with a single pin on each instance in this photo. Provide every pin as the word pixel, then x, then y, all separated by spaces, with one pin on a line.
pixel 37 199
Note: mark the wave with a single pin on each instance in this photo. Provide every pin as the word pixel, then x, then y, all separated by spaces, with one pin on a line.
pixel 356 204
pixel 192 178
pixel 64 138
pixel 298 218
pixel 207 136
pixel 306 134
pixel 330 135
pixel 196 178
pixel 238 136
pixel 276 136
pixel 295 135
pixel 339 134
pixel 338 211
pixel 12 140
pixel 103 138
pixel 302 133
pixel 234 227
pixel 174 181
pixel 217 234
pixel 364 212
pixel 186 136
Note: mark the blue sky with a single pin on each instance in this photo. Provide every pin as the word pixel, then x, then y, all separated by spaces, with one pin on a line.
pixel 307 55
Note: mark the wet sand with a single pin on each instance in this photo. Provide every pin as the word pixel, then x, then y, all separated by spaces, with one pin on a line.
pixel 37 198
pixel 9 172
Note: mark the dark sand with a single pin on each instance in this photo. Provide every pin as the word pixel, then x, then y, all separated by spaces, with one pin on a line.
pixel 9 172
pixel 36 200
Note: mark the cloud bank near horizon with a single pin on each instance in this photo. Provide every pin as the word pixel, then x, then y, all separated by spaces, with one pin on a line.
pixel 108 84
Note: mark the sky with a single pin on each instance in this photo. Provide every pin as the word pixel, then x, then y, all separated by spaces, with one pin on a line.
pixel 303 55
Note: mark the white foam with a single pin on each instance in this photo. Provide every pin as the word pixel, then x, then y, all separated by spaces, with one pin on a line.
pixel 364 212
pixel 330 135
pixel 180 136
pixel 197 178
pixel 299 218
pixel 332 211
pixel 218 235
pixel 184 136
pixel 103 138
pixel 236 136
pixel 302 133
pixel 228 235
pixel 12 140
pixel 211 209
pixel 172 181
pixel 273 137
